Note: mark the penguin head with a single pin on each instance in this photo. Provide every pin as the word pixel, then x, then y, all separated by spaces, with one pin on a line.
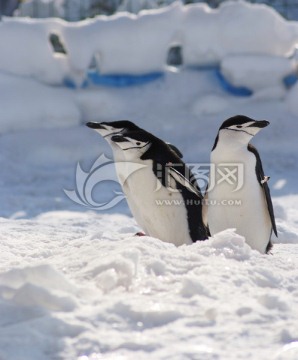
pixel 108 129
pixel 239 129
pixel 134 143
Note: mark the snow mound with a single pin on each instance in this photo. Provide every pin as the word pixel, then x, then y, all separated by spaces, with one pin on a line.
pixel 139 44
pixel 123 43
pixel 231 245
pixel 30 298
pixel 257 72
pixel 210 35
pixel 272 34
pixel 226 244
pixel 288 352
pixel 39 286
pixel 42 275
pixel 26 50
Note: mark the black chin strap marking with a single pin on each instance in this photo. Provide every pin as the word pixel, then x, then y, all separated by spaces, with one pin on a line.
pixel 240 130
pixel 137 147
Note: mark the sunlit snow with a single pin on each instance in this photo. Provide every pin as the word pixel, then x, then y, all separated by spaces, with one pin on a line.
pixel 77 284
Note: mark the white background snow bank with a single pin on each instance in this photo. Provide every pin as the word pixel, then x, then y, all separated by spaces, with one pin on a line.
pixel 209 35
pixel 123 43
pixel 26 50
pixel 138 44
pixel 258 72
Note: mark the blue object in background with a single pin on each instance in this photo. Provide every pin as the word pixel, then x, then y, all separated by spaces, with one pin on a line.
pixel 206 67
pixel 68 82
pixel 237 91
pixel 290 80
pixel 121 80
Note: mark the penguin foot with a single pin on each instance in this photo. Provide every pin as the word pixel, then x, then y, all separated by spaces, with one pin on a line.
pixel 140 233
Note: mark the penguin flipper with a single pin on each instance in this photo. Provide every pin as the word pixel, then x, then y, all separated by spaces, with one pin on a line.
pixel 176 150
pixel 200 229
pixel 177 176
pixel 263 180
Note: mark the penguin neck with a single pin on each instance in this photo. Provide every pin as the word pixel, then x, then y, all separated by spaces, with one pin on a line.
pixel 229 140
pixel 230 147
pixel 118 154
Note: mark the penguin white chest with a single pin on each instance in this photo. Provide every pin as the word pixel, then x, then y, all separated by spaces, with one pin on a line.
pixel 159 210
pixel 237 199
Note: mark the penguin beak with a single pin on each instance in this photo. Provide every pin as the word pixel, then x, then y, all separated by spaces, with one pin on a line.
pixel 96 125
pixel 259 124
pixel 104 130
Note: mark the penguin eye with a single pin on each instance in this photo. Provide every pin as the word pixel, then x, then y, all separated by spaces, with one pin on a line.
pixel 138 143
pixel 239 126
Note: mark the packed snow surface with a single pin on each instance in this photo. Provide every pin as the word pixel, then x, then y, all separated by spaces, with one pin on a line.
pixel 77 284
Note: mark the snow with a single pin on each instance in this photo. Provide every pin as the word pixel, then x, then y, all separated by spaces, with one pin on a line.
pixel 142 41
pixel 139 44
pixel 210 104
pixel 292 100
pixel 84 285
pixel 77 284
pixel 258 73
pixel 55 107
pixel 272 34
pixel 24 37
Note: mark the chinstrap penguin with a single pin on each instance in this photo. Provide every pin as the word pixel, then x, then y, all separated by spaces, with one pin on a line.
pixel 107 130
pixel 253 218
pixel 166 205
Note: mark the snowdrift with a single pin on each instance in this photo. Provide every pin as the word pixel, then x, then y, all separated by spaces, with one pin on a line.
pixel 139 44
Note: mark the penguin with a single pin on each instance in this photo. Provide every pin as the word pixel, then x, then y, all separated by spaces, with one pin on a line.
pixel 108 129
pixel 166 204
pixel 248 209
